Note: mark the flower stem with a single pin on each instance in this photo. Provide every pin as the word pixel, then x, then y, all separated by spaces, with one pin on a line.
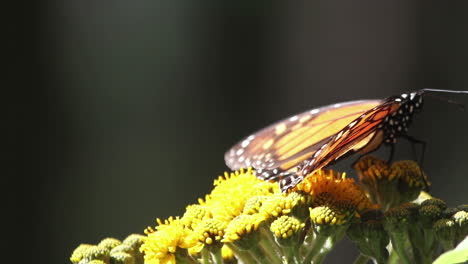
pixel 205 256
pixel 217 256
pixel 242 255
pixel 269 245
pixel 314 247
pixel 183 257
pixel 261 256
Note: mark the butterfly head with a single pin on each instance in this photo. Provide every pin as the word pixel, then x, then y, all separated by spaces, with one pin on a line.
pixel 412 101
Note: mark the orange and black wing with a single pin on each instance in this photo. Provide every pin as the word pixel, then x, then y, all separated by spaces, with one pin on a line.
pixel 281 146
pixel 363 134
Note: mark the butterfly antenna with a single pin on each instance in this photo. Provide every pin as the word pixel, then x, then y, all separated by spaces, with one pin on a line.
pixel 459 105
pixel 443 91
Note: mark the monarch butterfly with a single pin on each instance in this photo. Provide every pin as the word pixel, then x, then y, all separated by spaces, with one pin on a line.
pixel 289 150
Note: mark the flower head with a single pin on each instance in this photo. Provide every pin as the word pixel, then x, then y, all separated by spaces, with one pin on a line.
pixel 445 231
pixel 122 257
pixel 253 204
pixel 194 214
pixel 391 185
pixel 210 231
pixel 461 220
pixel 241 227
pixel 78 253
pixel 329 187
pixel 329 215
pixel 286 226
pixel 231 192
pixel 279 204
pixel 161 246
pixel 96 253
pixel 109 243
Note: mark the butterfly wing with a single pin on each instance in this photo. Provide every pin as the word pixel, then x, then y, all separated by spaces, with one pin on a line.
pixel 363 134
pixel 285 144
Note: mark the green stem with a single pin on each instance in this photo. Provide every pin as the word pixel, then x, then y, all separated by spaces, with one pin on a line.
pixel 269 245
pixel 393 258
pixel 205 256
pixel 217 256
pixel 182 257
pixel 242 255
pixel 290 255
pixel 314 248
pixel 402 246
pixel 261 256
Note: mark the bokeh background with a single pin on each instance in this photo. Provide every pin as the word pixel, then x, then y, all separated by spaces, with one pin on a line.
pixel 140 99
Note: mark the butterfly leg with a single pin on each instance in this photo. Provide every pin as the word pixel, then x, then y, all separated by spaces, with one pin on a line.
pixel 420 142
pixel 423 146
pixel 392 153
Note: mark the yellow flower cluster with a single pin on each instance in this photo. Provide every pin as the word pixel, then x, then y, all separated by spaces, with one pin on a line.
pixel 248 220
pixel 110 250
pixel 241 206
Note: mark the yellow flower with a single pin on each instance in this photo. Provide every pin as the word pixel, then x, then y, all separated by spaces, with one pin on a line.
pixel 96 253
pixel 391 185
pixel 286 226
pixel 78 253
pixel 280 204
pixel 329 215
pixel 194 214
pixel 335 186
pixel 241 226
pixel 161 246
pixel 122 257
pixel 253 204
pixel 210 231
pixel 231 192
pixel 109 243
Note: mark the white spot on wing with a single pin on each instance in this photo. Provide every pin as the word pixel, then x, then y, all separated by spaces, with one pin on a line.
pixel 239 151
pixel 315 111
pixel 339 135
pixel 294 118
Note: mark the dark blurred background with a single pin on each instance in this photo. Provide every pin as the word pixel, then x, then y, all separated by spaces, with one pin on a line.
pixel 134 103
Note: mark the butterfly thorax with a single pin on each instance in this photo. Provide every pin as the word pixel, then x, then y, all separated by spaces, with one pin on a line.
pixel 397 123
